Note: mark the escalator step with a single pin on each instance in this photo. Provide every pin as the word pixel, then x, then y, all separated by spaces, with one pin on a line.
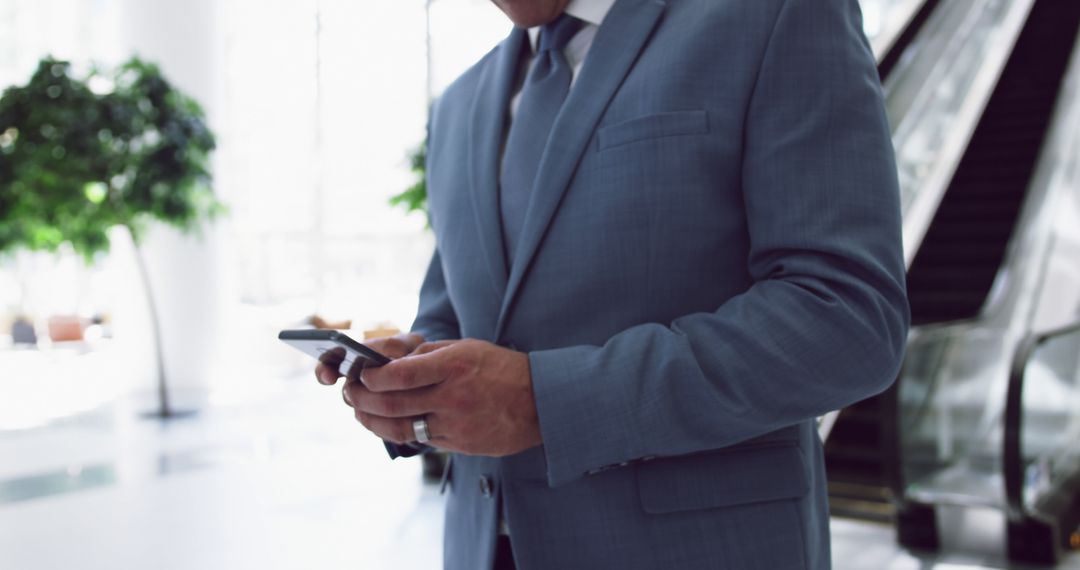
pixel 883 512
pixel 986 211
pixel 859 491
pixel 862 415
pixel 856 455
pixel 864 436
pixel 947 301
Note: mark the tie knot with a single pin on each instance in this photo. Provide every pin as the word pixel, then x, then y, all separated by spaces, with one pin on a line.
pixel 557 33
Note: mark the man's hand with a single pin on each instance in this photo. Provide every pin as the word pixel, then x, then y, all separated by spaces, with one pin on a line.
pixel 392 346
pixel 477 398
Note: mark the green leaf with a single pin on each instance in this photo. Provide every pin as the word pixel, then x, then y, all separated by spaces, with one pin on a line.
pixel 96 191
pixel 76 161
pixel 414 198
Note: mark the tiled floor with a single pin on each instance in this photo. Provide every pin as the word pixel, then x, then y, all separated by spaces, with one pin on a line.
pixel 278 477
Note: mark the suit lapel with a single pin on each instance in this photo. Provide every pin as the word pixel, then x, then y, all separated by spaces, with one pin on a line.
pixel 486 127
pixel 613 52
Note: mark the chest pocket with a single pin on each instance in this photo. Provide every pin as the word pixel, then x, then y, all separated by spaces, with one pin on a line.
pixel 668 124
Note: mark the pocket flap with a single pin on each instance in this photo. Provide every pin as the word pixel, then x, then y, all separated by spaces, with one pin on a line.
pixel 722 478
pixel 652 126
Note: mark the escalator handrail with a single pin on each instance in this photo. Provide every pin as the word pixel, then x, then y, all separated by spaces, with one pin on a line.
pixel 895 45
pixel 1012 452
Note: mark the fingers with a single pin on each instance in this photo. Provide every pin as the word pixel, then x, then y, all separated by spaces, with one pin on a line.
pixel 327 371
pixel 401 404
pixel 356 368
pixel 396 346
pixel 419 370
pixel 397 430
pixel 391 429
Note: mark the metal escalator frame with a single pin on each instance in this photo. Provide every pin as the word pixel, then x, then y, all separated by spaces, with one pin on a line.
pixel 1012 444
pixel 1035 537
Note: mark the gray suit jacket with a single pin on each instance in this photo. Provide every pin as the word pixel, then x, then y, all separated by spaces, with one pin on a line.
pixel 711 259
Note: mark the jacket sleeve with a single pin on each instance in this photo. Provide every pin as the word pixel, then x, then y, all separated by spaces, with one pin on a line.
pixel 435 317
pixel 825 322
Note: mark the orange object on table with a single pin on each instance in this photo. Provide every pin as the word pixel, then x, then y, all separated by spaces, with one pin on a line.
pixel 381 330
pixel 65 328
pixel 319 322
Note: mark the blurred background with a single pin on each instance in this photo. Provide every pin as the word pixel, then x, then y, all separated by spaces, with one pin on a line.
pixel 316 108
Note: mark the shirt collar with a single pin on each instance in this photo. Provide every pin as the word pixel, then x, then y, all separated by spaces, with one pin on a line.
pixel 590 11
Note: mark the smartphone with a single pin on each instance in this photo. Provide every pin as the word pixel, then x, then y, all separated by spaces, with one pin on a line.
pixel 334 347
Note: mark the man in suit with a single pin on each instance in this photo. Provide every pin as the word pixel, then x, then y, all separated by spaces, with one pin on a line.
pixel 667 238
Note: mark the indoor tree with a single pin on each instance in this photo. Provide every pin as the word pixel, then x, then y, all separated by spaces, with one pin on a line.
pixel 80 155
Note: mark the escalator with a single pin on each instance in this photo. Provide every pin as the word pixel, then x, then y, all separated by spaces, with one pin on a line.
pixel 935 96
pixel 971 98
pixel 989 406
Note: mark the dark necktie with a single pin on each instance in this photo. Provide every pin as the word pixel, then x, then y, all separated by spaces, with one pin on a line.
pixel 542 96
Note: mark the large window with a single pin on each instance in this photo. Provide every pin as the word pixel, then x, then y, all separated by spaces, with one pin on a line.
pixel 316 105
pixel 319 104
pixel 324 101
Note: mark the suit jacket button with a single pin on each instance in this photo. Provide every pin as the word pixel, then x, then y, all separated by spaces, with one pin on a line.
pixel 486 486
